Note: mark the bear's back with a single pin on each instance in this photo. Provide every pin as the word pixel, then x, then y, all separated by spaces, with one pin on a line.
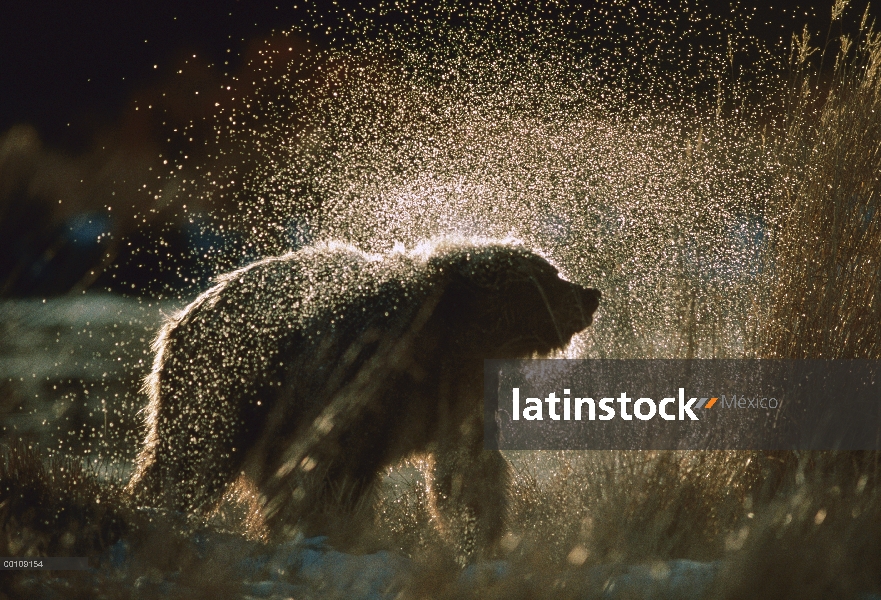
pixel 326 294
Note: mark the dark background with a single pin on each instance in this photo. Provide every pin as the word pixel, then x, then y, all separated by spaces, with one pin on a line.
pixel 68 67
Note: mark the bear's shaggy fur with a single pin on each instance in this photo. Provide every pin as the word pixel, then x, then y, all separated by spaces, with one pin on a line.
pixel 311 372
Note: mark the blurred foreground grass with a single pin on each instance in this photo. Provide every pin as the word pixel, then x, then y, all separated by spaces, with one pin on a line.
pixel 801 526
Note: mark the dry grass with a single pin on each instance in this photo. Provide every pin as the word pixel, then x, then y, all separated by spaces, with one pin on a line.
pixel 791 527
pixel 55 506
pixel 781 527
pixel 823 280
pixel 818 537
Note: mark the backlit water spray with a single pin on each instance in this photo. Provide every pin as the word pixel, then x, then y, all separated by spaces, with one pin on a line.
pixel 615 141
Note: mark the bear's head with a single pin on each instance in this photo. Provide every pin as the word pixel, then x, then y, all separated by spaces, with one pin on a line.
pixel 509 302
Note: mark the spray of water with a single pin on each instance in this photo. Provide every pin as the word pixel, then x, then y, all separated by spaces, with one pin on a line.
pixel 625 144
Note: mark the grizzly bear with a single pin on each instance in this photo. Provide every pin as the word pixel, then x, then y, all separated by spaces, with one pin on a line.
pixel 310 373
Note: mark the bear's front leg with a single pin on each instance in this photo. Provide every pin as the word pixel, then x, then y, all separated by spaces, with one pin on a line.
pixel 468 497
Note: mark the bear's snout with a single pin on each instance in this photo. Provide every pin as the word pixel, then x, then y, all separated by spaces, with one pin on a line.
pixel 589 299
pixel 580 304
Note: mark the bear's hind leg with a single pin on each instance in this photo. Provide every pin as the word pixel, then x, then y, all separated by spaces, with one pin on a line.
pixel 176 473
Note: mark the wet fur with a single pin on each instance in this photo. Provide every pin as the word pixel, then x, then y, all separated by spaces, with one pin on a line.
pixel 311 372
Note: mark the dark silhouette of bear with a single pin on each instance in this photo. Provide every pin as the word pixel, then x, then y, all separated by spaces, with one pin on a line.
pixel 311 372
